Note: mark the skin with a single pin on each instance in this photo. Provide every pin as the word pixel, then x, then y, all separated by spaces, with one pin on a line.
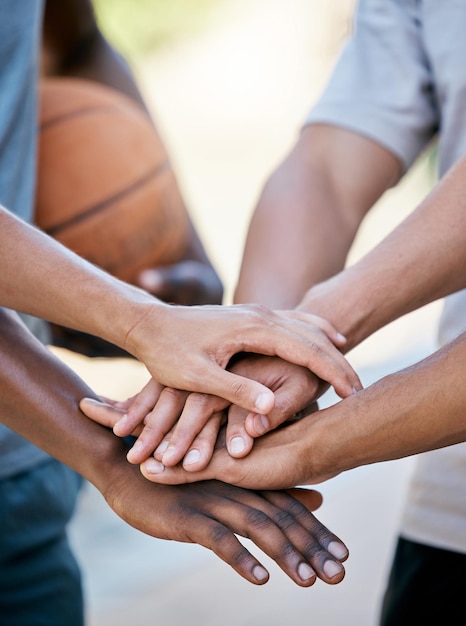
pixel 174 421
pixel 73 46
pixel 39 400
pixel 323 183
pixel 183 347
pixel 402 414
pixel 390 281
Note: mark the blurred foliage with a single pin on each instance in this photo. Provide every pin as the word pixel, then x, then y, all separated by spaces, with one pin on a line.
pixel 137 27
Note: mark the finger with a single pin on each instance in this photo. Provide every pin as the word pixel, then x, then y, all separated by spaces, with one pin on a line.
pixel 157 424
pixel 154 470
pixel 300 547
pixel 276 462
pixel 327 327
pixel 258 425
pixel 119 404
pixel 320 547
pixel 197 411
pixel 244 392
pixel 162 447
pixel 143 403
pixel 238 441
pixel 324 359
pixel 220 538
pixel 289 398
pixel 201 449
pixel 252 518
pixel 101 412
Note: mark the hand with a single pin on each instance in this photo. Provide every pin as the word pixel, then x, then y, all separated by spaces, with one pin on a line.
pixel 175 423
pixel 278 460
pixel 197 344
pixel 212 513
pixel 194 434
pixel 189 282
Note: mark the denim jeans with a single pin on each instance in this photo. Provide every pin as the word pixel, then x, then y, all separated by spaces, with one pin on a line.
pixel 40 581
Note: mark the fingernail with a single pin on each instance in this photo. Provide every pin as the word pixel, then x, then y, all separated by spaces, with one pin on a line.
pixel 263 423
pixel 331 568
pixel 193 456
pixel 305 572
pixel 154 467
pixel 134 453
pixel 237 445
pixel 93 400
pixel 263 403
pixel 136 448
pixel 338 550
pixel 341 338
pixel 120 424
pixel 162 447
pixel 260 573
pixel 355 390
pixel 168 454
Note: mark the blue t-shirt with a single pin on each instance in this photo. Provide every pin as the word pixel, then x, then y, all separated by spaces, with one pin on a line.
pixel 20 31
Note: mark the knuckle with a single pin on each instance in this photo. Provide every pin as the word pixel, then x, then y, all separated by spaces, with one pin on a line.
pixel 315 549
pixel 239 387
pixel 259 314
pixel 294 509
pixel 240 556
pixel 283 407
pixel 284 520
pixel 257 519
pixel 316 349
pixel 287 550
pixel 169 393
pixel 219 533
pixel 198 401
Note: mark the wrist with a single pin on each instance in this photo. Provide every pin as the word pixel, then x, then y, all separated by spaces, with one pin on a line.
pixel 131 314
pixel 351 313
pixel 329 441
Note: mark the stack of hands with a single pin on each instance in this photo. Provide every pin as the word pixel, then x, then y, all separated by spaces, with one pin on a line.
pixel 186 437
pixel 183 436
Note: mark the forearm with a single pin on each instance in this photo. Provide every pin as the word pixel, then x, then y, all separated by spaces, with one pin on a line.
pixel 309 212
pixel 418 409
pixel 43 278
pixel 420 261
pixel 39 399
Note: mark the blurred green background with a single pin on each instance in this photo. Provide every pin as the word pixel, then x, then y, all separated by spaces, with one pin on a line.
pixel 139 27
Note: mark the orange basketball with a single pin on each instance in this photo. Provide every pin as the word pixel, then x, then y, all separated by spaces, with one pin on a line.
pixel 105 187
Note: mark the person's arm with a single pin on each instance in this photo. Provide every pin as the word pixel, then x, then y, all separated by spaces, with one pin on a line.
pixel 300 233
pixel 309 212
pixel 39 399
pixel 186 348
pixel 422 260
pixel 418 409
pixel 74 46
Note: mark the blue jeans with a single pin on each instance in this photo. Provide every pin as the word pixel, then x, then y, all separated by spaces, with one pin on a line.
pixel 40 581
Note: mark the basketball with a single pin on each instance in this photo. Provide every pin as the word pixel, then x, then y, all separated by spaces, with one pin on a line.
pixel 105 187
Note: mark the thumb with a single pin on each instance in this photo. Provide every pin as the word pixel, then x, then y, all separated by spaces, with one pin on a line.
pixel 101 412
pixel 244 392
